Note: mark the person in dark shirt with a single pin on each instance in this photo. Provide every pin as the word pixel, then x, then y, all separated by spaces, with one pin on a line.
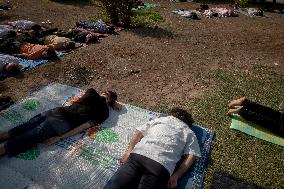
pixel 263 116
pixel 58 123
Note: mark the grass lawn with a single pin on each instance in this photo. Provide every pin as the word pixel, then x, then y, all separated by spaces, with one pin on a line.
pixel 236 153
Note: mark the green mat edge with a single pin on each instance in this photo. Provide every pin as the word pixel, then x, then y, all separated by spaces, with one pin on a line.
pixel 255 130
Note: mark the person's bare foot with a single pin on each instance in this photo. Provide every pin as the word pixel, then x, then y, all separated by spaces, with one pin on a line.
pixel 237 102
pixel 234 111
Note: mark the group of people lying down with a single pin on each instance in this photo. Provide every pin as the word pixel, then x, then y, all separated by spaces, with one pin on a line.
pixel 155 148
pixel 28 40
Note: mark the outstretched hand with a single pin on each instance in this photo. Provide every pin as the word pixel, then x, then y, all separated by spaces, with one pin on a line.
pixel 172 183
pixel 124 158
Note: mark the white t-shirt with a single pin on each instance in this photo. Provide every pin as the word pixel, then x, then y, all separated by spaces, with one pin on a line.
pixel 165 140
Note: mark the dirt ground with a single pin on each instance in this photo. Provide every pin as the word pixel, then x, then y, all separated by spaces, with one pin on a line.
pixel 151 66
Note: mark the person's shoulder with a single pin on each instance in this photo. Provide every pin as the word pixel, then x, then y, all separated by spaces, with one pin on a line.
pixel 175 121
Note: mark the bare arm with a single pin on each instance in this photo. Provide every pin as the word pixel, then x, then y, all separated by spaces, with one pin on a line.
pixel 76 130
pixel 135 139
pixel 186 164
pixel 68 134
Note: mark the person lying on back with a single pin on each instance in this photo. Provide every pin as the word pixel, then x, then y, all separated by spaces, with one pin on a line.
pixel 35 51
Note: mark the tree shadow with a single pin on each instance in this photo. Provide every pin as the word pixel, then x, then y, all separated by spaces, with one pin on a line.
pixel 153 32
pixel 80 3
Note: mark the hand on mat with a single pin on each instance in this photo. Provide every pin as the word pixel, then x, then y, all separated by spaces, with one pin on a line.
pixel 124 158
pixel 51 140
pixel 172 183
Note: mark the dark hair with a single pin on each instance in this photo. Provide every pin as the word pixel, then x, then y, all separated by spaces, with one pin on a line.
pixel 11 68
pixel 112 98
pixel 182 115
pixel 70 45
pixel 36 27
pixel 51 54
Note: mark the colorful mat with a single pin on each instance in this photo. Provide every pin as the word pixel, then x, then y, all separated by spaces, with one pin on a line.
pixel 257 131
pixel 31 64
pixel 87 160
pixel 25 64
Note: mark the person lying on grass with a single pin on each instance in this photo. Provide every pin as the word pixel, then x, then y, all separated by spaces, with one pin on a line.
pixel 258 114
pixel 25 50
pixel 156 147
pixel 35 51
pixel 59 43
pixel 58 123
pixel 81 35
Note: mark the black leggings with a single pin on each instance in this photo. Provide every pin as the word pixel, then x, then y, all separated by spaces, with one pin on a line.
pixel 28 134
pixel 263 116
pixel 140 172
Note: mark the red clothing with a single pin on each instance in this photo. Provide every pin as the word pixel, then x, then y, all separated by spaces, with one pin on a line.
pixel 33 51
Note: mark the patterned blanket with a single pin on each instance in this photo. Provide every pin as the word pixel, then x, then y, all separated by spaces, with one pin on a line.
pixel 87 160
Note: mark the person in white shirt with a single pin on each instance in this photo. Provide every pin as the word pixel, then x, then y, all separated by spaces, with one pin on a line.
pixel 156 147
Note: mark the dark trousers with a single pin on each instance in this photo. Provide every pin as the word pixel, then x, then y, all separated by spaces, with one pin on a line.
pixel 140 172
pixel 263 116
pixel 28 134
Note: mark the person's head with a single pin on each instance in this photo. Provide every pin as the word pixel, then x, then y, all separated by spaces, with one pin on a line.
pixel 182 115
pixel 70 45
pixel 49 54
pixel 11 68
pixel 111 98
pixel 91 38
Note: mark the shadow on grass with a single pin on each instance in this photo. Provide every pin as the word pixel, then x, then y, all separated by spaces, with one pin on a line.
pixel 4 17
pixel 80 3
pixel 154 32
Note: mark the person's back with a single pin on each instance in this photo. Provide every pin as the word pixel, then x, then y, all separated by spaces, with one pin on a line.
pixel 58 43
pixel 164 141
pixel 35 51
pixel 91 106
pixel 154 150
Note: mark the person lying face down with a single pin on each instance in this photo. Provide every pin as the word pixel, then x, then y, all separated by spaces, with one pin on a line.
pixel 35 51
pixel 263 116
pixel 59 43
pixel 150 159
pixel 53 125
pixel 80 35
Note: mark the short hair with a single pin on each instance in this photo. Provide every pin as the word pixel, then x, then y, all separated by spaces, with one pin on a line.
pixel 12 68
pixel 183 115
pixel 112 98
pixel 51 54
pixel 70 45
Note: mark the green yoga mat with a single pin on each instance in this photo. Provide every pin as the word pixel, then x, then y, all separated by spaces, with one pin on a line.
pixel 257 131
